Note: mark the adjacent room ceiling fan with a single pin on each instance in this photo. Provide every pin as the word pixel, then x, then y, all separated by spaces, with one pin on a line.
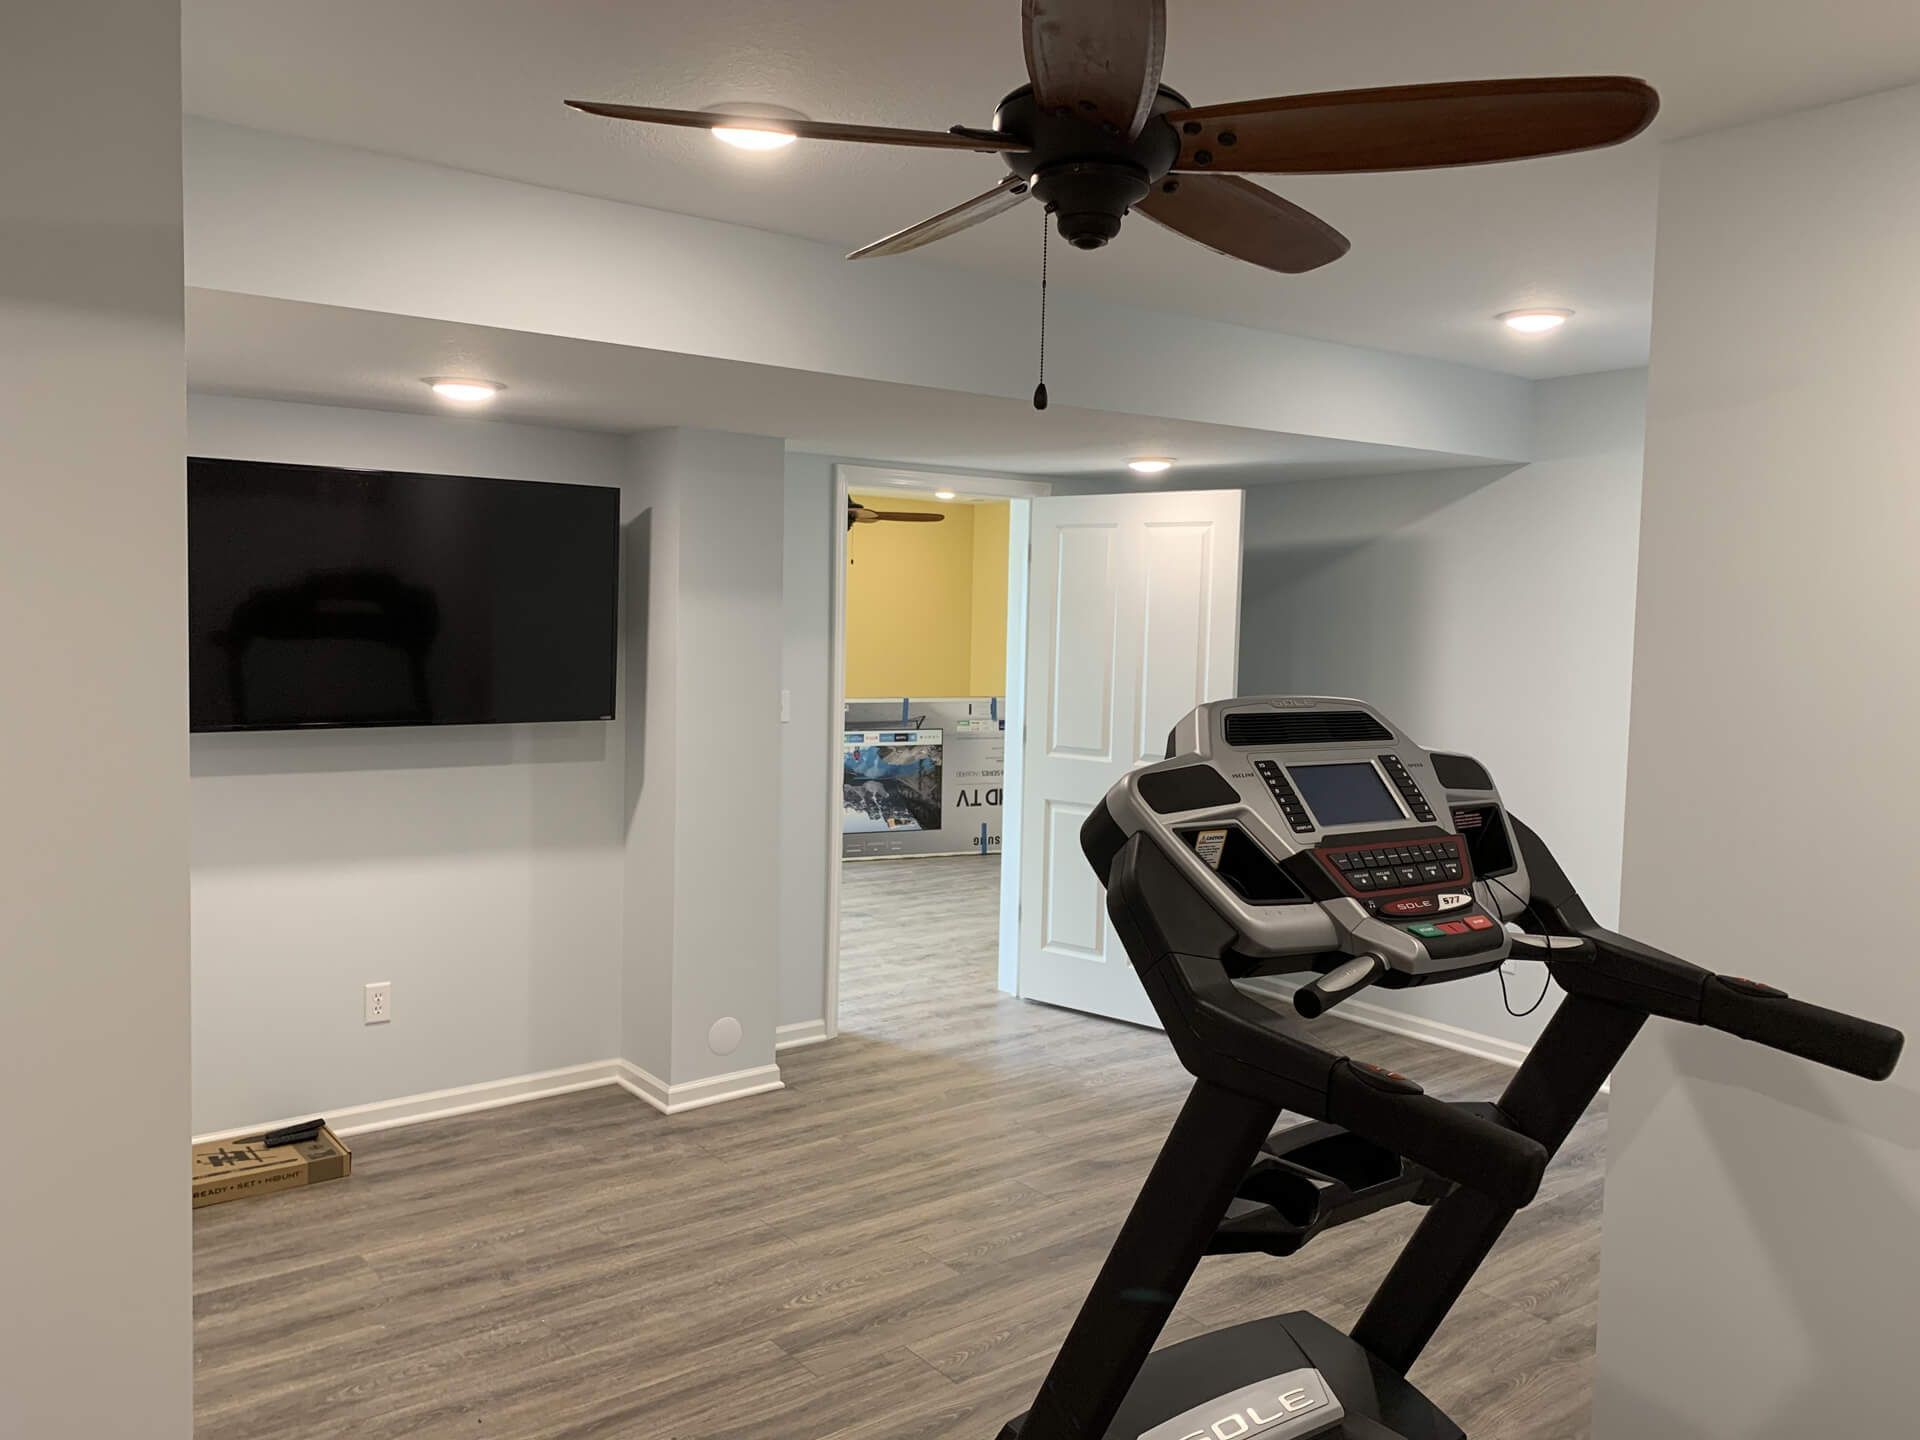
pixel 1095 135
pixel 858 514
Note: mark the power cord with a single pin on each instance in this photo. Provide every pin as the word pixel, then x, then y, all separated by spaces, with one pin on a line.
pixel 1506 999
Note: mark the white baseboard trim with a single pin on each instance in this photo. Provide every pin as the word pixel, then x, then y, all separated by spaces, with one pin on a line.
pixel 443 1104
pixel 718 1089
pixel 1413 1027
pixel 697 1094
pixel 352 1120
pixel 802 1032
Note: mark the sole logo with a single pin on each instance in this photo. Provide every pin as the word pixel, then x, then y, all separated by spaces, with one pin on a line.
pixel 1287 1407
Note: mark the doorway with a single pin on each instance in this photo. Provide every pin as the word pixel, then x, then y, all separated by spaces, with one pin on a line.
pixel 1122 613
pixel 921 644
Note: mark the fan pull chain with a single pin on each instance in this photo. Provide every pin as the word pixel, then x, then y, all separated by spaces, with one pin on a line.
pixel 1040 390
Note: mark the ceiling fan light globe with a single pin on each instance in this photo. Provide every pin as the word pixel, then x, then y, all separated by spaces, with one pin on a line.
pixel 741 137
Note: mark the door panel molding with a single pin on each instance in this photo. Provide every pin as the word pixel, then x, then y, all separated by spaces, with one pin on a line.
pixel 1175 643
pixel 1084 610
pixel 1072 897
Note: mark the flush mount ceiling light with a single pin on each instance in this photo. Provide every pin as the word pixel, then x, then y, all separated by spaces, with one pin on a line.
pixel 943 495
pixel 463 391
pixel 1534 322
pixel 1150 465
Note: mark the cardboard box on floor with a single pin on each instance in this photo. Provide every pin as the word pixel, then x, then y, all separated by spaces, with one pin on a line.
pixel 240 1169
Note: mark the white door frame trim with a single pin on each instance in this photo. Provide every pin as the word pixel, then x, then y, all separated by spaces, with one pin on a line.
pixel 874 477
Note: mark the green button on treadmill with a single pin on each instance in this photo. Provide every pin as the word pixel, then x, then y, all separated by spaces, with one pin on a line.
pixel 1428 932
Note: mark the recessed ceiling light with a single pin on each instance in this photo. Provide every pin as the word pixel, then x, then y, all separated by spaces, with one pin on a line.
pixel 1150 465
pixel 742 138
pixel 464 392
pixel 1534 322
pixel 943 494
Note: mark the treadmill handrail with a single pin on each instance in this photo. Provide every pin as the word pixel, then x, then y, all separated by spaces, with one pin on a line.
pixel 1611 994
pixel 1641 977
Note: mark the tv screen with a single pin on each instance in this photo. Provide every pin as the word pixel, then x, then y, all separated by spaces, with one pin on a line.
pixel 321 597
pixel 890 780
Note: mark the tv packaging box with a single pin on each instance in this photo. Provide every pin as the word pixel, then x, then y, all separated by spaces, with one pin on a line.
pixel 239 1169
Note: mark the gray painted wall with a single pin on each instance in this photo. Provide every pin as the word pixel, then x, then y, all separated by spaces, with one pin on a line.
pixel 807 739
pixel 650 860
pixel 520 885
pixel 478 868
pixel 1760 1262
pixel 1488 611
pixel 702 945
pixel 95 1265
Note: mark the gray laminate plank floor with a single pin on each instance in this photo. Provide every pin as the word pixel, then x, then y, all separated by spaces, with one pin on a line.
pixel 890 1247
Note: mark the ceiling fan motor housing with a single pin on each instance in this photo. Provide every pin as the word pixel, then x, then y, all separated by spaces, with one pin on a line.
pixel 1088 173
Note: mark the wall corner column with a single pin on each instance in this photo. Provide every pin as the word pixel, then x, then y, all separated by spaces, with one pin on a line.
pixel 703 611
pixel 96 1330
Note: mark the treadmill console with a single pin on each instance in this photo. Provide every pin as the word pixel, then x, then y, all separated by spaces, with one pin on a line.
pixel 1320 831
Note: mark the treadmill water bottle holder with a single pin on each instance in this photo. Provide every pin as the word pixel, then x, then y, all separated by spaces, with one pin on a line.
pixel 1308 1179
pixel 1311 1178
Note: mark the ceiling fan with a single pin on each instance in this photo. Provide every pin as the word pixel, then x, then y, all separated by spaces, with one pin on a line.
pixel 858 514
pixel 1095 135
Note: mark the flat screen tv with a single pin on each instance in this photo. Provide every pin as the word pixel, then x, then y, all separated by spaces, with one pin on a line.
pixel 323 598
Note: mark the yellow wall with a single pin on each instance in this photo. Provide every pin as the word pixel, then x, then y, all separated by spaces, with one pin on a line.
pixel 927 604
pixel 989 649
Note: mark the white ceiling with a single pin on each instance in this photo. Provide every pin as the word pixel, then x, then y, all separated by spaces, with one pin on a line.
pixel 478 85
pixel 324 354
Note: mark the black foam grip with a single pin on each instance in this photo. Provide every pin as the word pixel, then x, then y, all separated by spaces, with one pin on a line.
pixel 1501 1164
pixel 1827 1037
pixel 1315 998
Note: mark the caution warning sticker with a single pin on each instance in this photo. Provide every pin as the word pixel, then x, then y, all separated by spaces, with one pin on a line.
pixel 1208 844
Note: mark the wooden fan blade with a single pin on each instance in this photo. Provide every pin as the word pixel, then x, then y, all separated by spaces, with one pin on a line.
pixel 1415 127
pixel 1097 57
pixel 1239 219
pixel 1004 196
pixel 912 517
pixel 984 140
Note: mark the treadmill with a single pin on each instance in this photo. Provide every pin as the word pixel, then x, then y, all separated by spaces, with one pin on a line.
pixel 1312 837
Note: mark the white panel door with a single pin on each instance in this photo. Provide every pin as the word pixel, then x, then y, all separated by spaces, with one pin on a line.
pixel 1133 618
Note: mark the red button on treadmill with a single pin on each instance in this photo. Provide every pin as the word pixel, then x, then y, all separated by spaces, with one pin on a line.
pixel 1453 927
pixel 1478 922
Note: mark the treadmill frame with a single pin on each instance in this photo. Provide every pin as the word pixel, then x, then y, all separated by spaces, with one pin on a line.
pixel 1249 1066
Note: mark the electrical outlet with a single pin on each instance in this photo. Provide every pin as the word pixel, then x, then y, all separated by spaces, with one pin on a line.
pixel 379 1002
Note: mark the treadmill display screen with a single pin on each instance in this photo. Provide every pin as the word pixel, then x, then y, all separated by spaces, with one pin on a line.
pixel 1345 794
